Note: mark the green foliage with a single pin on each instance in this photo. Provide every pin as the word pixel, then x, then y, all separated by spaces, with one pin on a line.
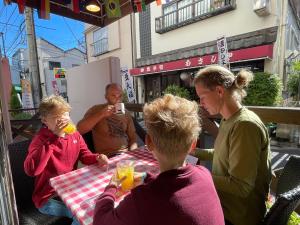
pixel 22 116
pixel 293 84
pixel 293 80
pixel 124 96
pixel 294 219
pixel 14 102
pixel 264 90
pixel 296 66
pixel 177 91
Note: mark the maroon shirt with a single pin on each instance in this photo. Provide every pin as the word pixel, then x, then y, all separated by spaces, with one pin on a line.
pixel 184 196
pixel 50 156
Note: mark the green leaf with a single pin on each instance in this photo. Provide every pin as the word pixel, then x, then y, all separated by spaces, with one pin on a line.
pixel 178 91
pixel 264 90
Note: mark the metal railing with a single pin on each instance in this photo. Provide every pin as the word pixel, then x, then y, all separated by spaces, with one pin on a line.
pixel 99 47
pixel 191 13
pixel 286 115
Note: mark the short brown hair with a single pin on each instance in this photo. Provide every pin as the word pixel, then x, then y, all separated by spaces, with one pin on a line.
pixel 173 124
pixel 215 75
pixel 53 104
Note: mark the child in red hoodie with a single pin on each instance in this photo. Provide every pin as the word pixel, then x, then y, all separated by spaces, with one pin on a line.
pixel 53 152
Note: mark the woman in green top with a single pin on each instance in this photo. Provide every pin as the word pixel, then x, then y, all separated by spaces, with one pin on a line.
pixel 241 167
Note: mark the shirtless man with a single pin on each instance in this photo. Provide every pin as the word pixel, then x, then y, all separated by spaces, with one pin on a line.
pixel 111 132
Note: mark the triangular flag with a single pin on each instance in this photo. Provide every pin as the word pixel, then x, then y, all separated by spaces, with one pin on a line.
pixel 44 10
pixel 21 6
pixel 7 2
pixel 74 6
pixel 143 5
pixel 112 8
pixel 139 5
pixel 158 2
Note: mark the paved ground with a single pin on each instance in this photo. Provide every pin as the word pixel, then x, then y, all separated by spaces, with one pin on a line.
pixel 281 154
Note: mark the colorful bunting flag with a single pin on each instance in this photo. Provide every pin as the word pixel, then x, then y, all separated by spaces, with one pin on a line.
pixel 112 8
pixel 139 5
pixel 21 6
pixel 44 10
pixel 75 6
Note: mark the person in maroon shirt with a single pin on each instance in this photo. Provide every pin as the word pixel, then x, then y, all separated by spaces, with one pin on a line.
pixel 182 194
pixel 52 152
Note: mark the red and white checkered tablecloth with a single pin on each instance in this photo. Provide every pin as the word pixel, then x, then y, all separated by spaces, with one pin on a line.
pixel 80 188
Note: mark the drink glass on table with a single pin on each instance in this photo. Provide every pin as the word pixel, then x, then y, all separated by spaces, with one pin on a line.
pixel 125 168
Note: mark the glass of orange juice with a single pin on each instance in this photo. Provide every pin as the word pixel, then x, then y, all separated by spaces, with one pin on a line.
pixel 70 128
pixel 126 168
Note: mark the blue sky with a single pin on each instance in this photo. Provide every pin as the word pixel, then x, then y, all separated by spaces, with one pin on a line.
pixel 63 32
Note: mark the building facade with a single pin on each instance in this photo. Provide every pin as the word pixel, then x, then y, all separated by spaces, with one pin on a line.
pixel 176 39
pixel 49 57
pixel 114 40
pixel 168 44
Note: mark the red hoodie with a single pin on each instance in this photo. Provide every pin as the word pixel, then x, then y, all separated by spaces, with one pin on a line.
pixel 50 156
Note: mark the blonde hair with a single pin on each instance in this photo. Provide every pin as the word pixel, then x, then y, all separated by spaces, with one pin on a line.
pixel 53 104
pixel 212 76
pixel 173 124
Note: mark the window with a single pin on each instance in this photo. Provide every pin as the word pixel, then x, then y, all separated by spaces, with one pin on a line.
pixel 170 14
pixel 184 10
pixel 292 39
pixel 54 65
pixel 100 44
pixel 202 7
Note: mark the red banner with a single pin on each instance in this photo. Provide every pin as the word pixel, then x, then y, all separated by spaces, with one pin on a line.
pixel 263 51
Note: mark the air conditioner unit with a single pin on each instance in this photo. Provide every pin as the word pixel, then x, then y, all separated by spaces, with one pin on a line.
pixel 261 7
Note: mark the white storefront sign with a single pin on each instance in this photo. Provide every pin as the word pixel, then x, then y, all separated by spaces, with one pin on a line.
pixel 128 84
pixel 26 94
pixel 222 51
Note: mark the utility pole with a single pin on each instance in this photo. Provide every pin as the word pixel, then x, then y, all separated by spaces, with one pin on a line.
pixel 33 57
pixel 4 52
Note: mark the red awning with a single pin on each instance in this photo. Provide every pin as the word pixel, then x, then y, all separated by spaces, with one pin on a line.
pixel 258 52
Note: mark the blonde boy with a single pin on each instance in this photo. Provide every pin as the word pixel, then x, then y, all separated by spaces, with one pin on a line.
pixel 52 152
pixel 181 194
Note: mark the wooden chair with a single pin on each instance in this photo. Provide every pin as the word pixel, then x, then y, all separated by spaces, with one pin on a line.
pixel 23 187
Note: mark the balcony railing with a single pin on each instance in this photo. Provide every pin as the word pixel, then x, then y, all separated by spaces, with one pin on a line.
pixel 100 47
pixel 191 13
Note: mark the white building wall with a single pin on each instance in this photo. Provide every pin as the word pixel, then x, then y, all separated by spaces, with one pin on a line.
pixel 239 21
pixel 119 42
pixel 48 52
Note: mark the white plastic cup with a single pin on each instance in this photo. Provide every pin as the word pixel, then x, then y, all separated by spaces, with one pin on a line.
pixel 120 108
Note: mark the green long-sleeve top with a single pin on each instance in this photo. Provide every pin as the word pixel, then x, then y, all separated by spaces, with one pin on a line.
pixel 241 167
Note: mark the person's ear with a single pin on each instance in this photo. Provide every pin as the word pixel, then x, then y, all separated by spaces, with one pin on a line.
pixel 220 90
pixel 148 141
